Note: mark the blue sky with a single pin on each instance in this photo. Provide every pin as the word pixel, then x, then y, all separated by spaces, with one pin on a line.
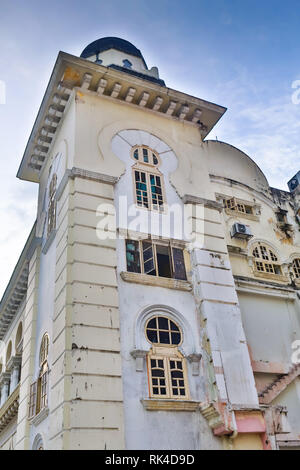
pixel 241 54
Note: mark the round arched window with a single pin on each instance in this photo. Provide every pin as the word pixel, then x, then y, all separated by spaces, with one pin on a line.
pixel 146 155
pixel 163 331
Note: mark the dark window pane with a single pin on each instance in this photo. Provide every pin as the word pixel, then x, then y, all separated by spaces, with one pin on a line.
pixel 153 363
pixel 179 267
pixel 182 391
pixel 160 363
pixel 181 383
pixel 137 176
pixel 157 373
pixel 136 154
pixel 164 337
pixel 149 266
pixel 155 161
pixel 172 364
pixel 162 382
pixel 163 323
pixel 133 256
pixel 174 327
pixel 152 336
pixel 175 391
pixel 176 338
pixel 163 261
pixel 155 381
pixel 176 374
pixel 151 323
pixel 155 391
pixel 163 391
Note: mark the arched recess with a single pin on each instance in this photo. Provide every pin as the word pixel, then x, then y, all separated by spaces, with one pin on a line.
pixel 19 337
pixel 8 352
pixel 38 443
pixel 111 164
pixel 188 345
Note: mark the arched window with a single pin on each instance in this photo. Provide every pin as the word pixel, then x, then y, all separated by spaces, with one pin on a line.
pixel 127 64
pixel 296 268
pixel 43 375
pixel 166 365
pixel 38 398
pixel 265 260
pixel 51 225
pixel 148 180
pixel 19 337
pixel 38 443
pixel 8 352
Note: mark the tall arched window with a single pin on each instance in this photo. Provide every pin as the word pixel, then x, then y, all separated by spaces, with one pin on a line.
pixel 296 268
pixel 265 260
pixel 148 180
pixel 38 390
pixel 43 375
pixel 166 365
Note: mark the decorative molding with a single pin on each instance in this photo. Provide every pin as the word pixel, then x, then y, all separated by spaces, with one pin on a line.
pixel 255 286
pixel 169 405
pixel 219 418
pixel 156 281
pixel 139 356
pixel 85 174
pixel 37 419
pixel 194 359
pixel 209 204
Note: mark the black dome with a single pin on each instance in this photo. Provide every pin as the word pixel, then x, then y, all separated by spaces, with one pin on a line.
pixel 104 44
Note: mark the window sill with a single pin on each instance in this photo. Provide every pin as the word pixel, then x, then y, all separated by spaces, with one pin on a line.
pixel 37 419
pixel 49 241
pixel 274 277
pixel 242 214
pixel 156 404
pixel 148 280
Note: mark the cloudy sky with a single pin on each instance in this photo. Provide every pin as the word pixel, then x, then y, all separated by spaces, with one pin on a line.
pixel 241 54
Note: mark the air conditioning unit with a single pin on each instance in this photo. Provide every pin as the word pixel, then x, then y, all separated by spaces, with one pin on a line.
pixel 240 231
pixel 294 182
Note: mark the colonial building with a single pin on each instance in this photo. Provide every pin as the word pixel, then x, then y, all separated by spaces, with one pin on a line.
pixel 156 302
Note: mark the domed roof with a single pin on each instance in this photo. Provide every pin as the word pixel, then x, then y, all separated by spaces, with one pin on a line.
pixel 104 44
pixel 229 162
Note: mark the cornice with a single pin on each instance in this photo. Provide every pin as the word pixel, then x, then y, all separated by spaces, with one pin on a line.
pixel 74 73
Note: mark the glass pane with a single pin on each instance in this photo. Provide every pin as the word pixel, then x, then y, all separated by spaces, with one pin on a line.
pixel 133 256
pixel 174 327
pixel 155 161
pixel 179 267
pixel 152 336
pixel 136 154
pixel 152 323
pixel 175 337
pixel 164 337
pixel 145 155
pixel 163 323
pixel 157 373
pixel 163 391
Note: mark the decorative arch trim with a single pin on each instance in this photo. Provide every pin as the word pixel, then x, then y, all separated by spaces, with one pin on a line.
pixel 188 343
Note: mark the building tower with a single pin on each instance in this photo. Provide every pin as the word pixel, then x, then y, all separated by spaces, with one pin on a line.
pixel 132 317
